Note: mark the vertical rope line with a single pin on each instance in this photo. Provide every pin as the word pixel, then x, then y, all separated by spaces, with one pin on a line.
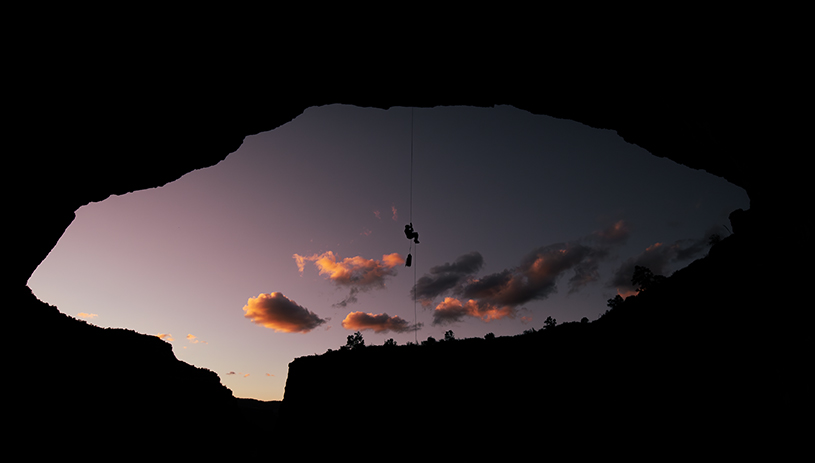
pixel 411 166
pixel 415 319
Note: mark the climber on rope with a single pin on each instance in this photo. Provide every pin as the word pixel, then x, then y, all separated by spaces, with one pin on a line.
pixel 411 235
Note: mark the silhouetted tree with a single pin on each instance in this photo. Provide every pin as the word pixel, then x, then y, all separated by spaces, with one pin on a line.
pixel 584 320
pixel 612 303
pixel 549 323
pixel 354 341
pixel 645 279
pixel 489 336
pixel 390 342
pixel 449 336
pixel 429 340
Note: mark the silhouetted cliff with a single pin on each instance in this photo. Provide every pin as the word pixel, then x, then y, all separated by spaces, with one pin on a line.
pixel 112 390
pixel 688 365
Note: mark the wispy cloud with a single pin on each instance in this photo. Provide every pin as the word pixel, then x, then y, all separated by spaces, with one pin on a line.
pixel 453 310
pixel 356 273
pixel 194 340
pixel 658 258
pixel 380 323
pixel 445 277
pixel 395 215
pixel 165 336
pixel 351 298
pixel 497 295
pixel 615 234
pixel 277 312
pixel 377 214
pixel 86 315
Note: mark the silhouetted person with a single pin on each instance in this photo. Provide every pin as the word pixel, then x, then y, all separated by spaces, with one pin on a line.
pixel 411 235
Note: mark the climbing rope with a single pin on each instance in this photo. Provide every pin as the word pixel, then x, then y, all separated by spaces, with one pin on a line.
pixel 415 325
pixel 411 166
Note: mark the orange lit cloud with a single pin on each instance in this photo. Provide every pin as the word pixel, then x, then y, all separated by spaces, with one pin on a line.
pixel 624 293
pixel 86 315
pixel 194 340
pixel 537 275
pixel 392 260
pixel 395 216
pixel 277 312
pixel 453 310
pixel 357 272
pixel 376 213
pixel 165 336
pixel 379 323
pixel 534 279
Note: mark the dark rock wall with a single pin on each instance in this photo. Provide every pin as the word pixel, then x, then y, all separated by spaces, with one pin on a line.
pixel 69 145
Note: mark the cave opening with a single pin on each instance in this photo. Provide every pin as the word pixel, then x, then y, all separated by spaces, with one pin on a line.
pixel 182 260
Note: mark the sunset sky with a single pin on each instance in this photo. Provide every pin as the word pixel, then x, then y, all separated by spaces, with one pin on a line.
pixel 297 239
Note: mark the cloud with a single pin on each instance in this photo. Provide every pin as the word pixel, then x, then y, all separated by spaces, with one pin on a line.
pixel 165 336
pixel 537 275
pixel 352 271
pixel 395 215
pixel 380 323
pixel 247 374
pixel 464 265
pixel 350 299
pixel 366 232
pixel 358 273
pixel 448 276
pixel 86 315
pixel 658 258
pixel 194 340
pixel 277 312
pixel 498 294
pixel 376 213
pixel 617 233
pixel 230 373
pixel 453 310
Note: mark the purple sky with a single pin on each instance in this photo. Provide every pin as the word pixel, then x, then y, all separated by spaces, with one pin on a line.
pixel 296 240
